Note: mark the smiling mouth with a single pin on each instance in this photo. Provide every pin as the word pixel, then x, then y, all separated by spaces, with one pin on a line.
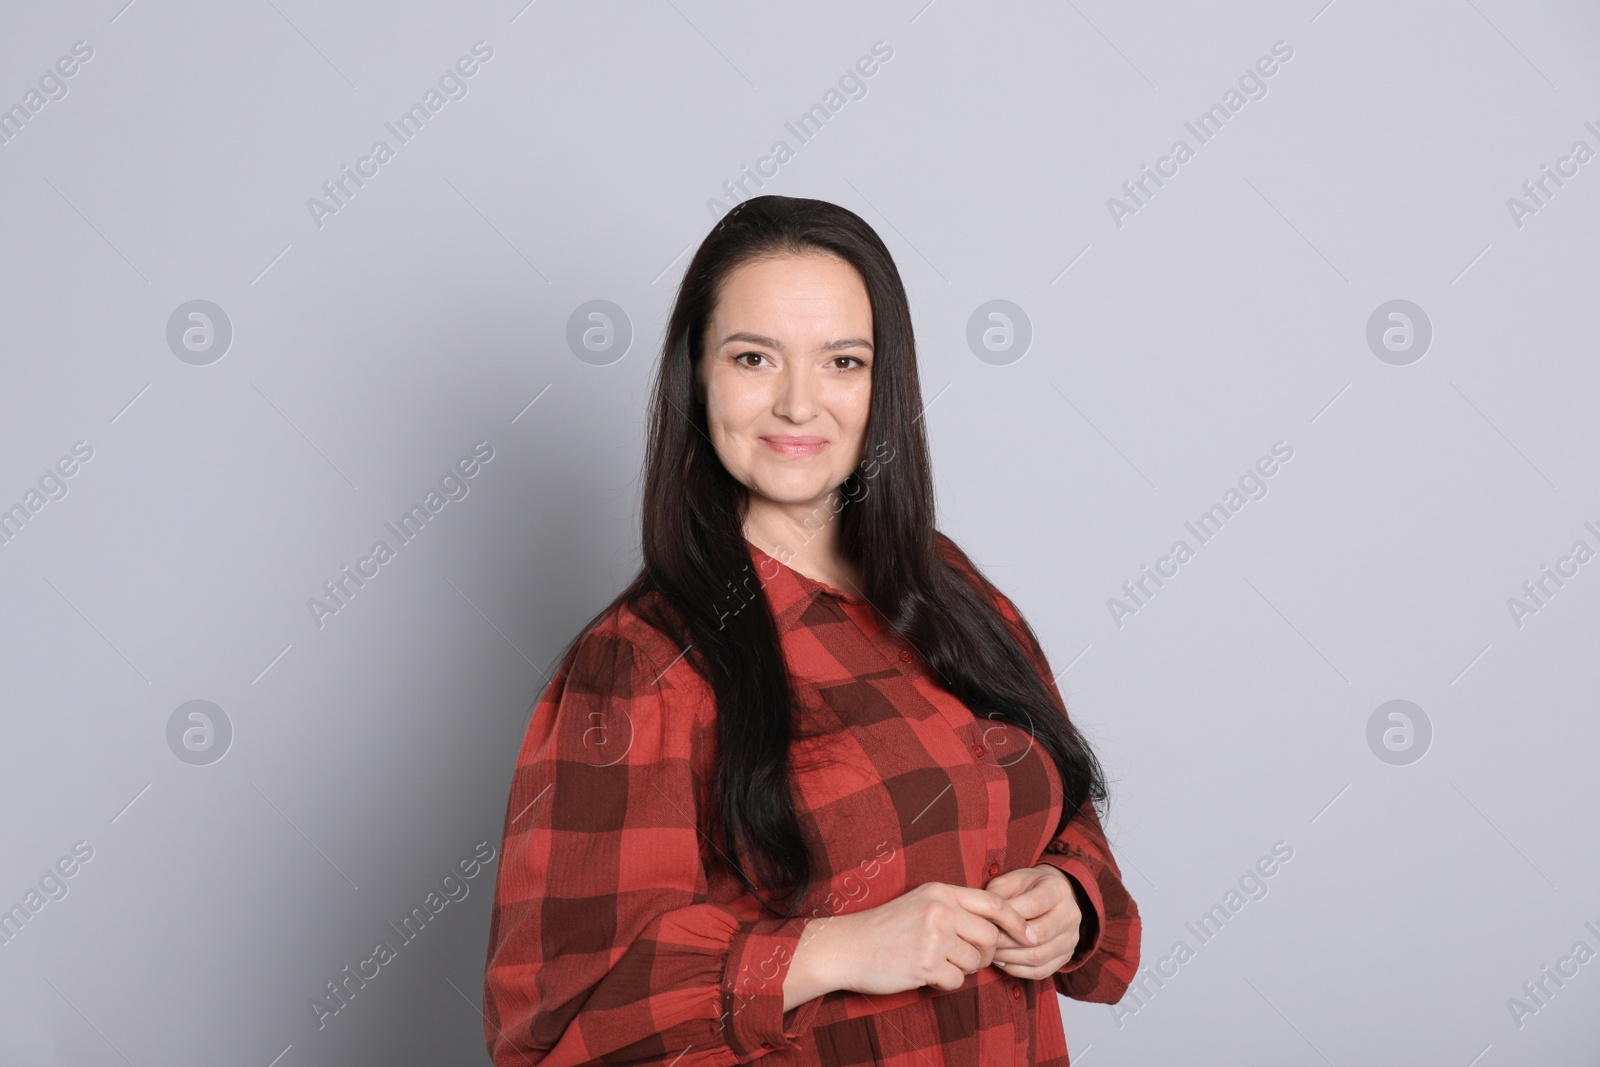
pixel 795 445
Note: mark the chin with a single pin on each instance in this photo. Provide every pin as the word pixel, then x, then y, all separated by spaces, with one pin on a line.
pixel 790 492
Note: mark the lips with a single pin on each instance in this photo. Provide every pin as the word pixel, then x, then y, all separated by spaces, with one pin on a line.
pixel 795 444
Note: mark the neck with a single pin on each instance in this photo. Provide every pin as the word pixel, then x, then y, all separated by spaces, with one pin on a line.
pixel 803 536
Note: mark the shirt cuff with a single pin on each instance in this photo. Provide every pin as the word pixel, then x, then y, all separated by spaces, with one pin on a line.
pixel 1087 888
pixel 753 1020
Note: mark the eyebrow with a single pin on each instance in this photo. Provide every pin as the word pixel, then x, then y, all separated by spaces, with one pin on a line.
pixel 831 346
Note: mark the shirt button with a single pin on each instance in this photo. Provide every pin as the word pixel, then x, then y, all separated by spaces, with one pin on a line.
pixel 1016 992
pixel 994 869
pixel 977 750
pixel 905 655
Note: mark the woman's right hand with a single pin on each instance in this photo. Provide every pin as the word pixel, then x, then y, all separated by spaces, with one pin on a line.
pixel 934 935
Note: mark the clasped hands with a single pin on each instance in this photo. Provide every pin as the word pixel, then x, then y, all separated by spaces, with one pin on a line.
pixel 1026 922
pixel 1043 895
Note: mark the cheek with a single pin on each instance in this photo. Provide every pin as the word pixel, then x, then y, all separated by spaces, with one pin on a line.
pixel 731 407
pixel 853 411
pixel 735 400
pixel 724 436
pixel 863 409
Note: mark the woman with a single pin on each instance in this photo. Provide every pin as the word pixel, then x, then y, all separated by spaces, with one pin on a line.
pixel 805 792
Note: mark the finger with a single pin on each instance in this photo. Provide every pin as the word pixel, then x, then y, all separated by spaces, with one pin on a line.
pixel 1043 970
pixel 1059 948
pixel 948 977
pixel 1048 954
pixel 968 956
pixel 1019 971
pixel 1031 906
pixel 1026 955
pixel 1005 940
pixel 978 933
pixel 1051 937
pixel 1005 885
pixel 1043 895
pixel 1057 931
pixel 996 909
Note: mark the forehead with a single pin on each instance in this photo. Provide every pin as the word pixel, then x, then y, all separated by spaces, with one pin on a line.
pixel 798 294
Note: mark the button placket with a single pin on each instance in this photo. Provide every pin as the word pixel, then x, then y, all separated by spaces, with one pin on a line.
pixel 999 793
pixel 994 781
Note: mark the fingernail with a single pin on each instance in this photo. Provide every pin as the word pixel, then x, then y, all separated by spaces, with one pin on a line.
pixel 1033 935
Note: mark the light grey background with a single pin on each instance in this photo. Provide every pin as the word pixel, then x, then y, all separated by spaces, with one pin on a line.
pixel 1168 353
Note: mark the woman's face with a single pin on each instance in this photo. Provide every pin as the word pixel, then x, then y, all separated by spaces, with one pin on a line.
pixel 787 376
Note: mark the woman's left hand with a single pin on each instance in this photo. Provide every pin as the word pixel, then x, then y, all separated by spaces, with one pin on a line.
pixel 1044 896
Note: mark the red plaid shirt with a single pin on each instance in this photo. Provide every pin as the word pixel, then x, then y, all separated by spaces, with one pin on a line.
pixel 614 939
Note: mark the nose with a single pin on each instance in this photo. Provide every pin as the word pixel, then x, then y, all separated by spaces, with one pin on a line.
pixel 796 400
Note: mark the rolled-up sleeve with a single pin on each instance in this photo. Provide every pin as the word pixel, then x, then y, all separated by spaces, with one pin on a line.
pixel 603 944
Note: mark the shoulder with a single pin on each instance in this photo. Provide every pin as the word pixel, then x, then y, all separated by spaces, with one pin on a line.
pixel 962 564
pixel 1008 612
pixel 626 651
pixel 956 555
pixel 622 696
pixel 957 558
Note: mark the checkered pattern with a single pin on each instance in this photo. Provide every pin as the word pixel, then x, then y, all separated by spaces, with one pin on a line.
pixel 615 939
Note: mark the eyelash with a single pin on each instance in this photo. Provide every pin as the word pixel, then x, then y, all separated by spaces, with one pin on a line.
pixel 740 359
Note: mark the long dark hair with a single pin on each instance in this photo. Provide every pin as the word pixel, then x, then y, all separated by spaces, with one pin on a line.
pixel 695 552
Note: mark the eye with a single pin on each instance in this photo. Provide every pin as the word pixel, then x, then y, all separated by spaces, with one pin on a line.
pixel 740 359
pixel 847 362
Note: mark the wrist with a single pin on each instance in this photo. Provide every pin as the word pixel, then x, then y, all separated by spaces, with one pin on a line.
pixel 815 969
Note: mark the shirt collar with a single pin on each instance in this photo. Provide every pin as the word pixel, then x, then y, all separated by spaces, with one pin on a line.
pixel 786 586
